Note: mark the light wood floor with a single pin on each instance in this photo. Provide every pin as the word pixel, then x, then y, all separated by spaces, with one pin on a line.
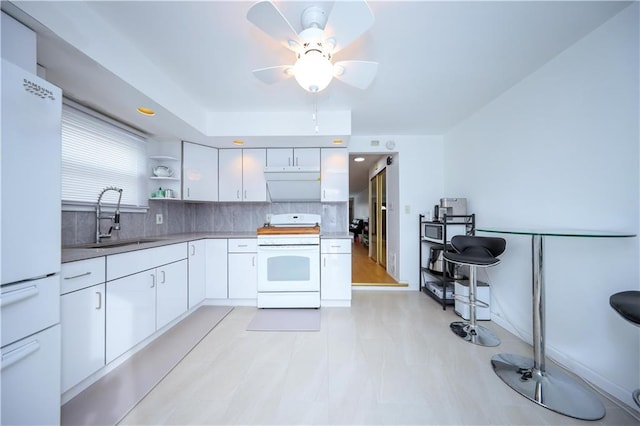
pixel 388 359
pixel 365 270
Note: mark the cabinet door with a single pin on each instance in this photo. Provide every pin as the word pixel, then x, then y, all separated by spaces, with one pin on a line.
pixel 243 277
pixel 334 174
pixel 131 312
pixel 216 266
pixel 279 157
pixel 171 292
pixel 197 272
pixel 200 172
pixel 335 276
pixel 82 320
pixel 306 157
pixel 230 173
pixel 253 181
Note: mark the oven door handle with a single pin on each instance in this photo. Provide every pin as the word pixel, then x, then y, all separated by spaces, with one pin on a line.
pixel 306 247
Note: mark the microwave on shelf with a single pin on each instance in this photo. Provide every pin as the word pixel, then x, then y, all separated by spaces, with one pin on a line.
pixel 434 232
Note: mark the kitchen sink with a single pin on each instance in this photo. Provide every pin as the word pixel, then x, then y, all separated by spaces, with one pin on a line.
pixel 120 243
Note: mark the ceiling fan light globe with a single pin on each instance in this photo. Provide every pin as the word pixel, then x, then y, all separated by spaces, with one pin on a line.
pixel 313 71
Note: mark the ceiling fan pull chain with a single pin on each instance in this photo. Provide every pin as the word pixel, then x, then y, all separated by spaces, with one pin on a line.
pixel 315 110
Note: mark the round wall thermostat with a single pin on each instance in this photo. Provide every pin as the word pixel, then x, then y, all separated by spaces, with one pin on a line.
pixel 390 144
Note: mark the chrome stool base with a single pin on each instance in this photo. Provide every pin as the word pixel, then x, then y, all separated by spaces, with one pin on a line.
pixel 478 335
pixel 553 389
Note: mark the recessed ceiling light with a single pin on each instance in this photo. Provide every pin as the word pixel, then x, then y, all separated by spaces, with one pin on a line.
pixel 337 141
pixel 146 111
pixel 358 159
pixel 238 142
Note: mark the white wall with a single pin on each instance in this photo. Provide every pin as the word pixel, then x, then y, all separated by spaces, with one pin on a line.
pixel 560 150
pixel 361 205
pixel 414 185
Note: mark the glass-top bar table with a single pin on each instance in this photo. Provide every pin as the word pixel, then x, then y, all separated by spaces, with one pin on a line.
pixel 547 385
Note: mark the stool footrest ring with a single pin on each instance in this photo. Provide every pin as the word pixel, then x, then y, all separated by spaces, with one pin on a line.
pixel 465 300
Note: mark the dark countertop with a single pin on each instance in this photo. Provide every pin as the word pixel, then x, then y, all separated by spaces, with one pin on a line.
pixel 71 254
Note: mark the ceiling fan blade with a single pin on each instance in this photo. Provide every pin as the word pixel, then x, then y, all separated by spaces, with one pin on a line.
pixel 348 21
pixel 358 74
pixel 271 75
pixel 266 16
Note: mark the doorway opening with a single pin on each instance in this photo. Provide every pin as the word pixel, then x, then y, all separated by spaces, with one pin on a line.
pixel 367 206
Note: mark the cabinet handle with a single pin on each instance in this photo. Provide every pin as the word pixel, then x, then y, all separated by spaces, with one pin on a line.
pixel 253 261
pixel 18 354
pixel 193 250
pixel 99 301
pixel 297 161
pixel 243 245
pixel 188 192
pixel 238 194
pixel 15 296
pixel 325 262
pixel 289 161
pixel 78 276
pixel 245 194
pixel 324 194
pixel 164 277
pixel 153 280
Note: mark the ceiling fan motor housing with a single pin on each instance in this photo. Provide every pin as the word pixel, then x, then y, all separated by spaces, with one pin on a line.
pixel 313 17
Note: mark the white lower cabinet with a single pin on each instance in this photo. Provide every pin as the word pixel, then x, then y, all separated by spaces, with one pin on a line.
pixel 171 292
pixel 131 312
pixel 197 271
pixel 243 275
pixel 216 269
pixel 82 317
pixel 139 302
pixel 335 272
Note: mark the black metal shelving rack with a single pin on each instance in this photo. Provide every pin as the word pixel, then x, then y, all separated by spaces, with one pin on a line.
pixel 442 279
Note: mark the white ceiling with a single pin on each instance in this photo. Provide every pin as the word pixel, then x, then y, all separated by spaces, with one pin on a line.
pixel 191 61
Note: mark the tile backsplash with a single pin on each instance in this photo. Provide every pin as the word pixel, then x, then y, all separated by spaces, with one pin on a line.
pixel 182 217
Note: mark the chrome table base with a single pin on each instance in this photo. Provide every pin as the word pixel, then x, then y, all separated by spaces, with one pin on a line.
pixel 478 335
pixel 552 388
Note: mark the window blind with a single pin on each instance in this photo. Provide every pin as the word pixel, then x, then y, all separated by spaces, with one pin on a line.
pixel 97 154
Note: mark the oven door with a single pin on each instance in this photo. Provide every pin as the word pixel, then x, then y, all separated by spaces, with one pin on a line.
pixel 283 268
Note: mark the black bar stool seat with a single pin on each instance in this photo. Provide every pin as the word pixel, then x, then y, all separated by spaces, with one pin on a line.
pixel 627 304
pixel 475 252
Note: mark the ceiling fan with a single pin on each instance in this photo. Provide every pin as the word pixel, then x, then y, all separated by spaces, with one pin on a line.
pixel 321 38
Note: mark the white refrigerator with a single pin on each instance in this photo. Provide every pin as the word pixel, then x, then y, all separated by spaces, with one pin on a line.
pixel 30 250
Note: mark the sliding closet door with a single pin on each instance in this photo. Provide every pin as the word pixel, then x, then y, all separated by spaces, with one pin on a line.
pixel 378 218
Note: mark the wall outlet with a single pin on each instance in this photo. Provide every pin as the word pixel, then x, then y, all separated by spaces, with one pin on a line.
pixel 159 219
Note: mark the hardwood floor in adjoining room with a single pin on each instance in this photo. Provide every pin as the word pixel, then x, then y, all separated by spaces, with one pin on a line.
pixel 365 270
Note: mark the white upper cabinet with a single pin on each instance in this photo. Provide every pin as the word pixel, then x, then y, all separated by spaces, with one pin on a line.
pixel 242 174
pixel 230 172
pixel 200 172
pixel 285 157
pixel 334 174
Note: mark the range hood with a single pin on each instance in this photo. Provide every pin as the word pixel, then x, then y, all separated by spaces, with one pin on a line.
pixel 293 183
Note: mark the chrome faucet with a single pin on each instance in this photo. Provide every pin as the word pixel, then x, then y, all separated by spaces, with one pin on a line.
pixel 115 218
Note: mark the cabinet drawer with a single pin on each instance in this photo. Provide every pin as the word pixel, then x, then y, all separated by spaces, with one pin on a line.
pixel 242 245
pixel 123 264
pixel 29 307
pixel 337 245
pixel 82 274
